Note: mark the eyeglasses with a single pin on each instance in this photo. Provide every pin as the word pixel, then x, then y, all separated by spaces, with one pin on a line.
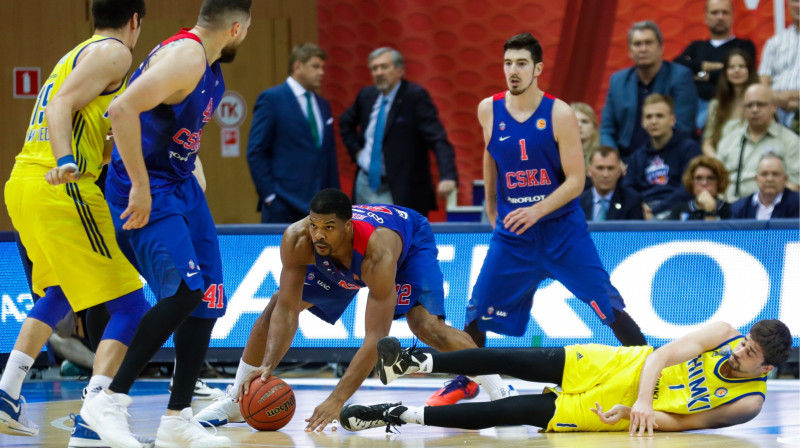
pixel 703 179
pixel 756 105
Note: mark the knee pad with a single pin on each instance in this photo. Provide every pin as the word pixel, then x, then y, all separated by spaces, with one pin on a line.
pixel 126 312
pixel 51 308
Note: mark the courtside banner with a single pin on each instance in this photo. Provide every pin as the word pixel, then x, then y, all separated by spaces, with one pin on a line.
pixel 674 277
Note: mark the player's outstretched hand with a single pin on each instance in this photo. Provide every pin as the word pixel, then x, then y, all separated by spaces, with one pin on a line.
pixel 613 415
pixel 643 418
pixel 324 414
pixel 138 211
pixel 244 386
pixel 63 174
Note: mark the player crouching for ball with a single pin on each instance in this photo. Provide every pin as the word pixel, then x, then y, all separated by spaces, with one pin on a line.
pixel 710 378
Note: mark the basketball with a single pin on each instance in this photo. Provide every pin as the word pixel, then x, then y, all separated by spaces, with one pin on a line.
pixel 268 405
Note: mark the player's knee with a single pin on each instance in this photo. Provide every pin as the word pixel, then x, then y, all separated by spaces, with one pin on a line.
pixel 432 330
pixel 125 312
pixel 51 308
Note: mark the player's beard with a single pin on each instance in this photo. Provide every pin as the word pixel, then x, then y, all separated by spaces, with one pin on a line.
pixel 228 54
pixel 519 90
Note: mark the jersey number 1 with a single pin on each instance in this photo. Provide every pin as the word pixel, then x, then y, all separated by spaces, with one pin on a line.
pixel 523 152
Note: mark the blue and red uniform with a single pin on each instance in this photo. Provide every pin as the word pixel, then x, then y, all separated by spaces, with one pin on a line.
pixel 179 243
pixel 558 246
pixel 419 278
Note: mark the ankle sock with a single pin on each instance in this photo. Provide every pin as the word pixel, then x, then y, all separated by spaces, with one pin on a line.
pixel 16 370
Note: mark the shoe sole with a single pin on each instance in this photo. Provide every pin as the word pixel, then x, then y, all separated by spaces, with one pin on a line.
pixel 388 354
pixel 162 444
pixel 11 427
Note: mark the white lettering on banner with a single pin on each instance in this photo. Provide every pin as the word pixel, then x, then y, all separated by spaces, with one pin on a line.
pixel 745 290
pixel 10 309
pixel 400 328
pixel 447 252
pixel 244 301
pixel 479 252
pixel 790 290
pixel 550 302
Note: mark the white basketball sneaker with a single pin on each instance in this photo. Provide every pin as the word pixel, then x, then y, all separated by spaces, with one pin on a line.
pixel 179 431
pixel 203 391
pixel 221 411
pixel 108 416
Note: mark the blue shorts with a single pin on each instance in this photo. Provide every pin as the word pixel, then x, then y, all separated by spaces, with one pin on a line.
pixel 179 243
pixel 419 281
pixel 559 248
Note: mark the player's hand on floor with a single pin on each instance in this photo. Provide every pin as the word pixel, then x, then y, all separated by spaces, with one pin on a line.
pixel 612 416
pixel 62 174
pixel 138 211
pixel 324 414
pixel 643 419
pixel 244 386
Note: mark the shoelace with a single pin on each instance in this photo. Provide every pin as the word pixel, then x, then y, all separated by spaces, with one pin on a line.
pixel 455 384
pixel 23 418
pixel 198 426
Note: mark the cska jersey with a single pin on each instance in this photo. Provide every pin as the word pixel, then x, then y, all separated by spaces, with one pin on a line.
pixel 171 133
pixel 90 124
pixel 527 158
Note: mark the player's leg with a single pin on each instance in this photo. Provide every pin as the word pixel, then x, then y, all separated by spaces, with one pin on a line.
pixel 578 267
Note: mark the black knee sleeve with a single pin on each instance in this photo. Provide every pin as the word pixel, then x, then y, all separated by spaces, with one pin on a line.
pixel 626 329
pixel 534 410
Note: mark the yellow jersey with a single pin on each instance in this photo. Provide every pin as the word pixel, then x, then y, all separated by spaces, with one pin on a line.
pixel 90 125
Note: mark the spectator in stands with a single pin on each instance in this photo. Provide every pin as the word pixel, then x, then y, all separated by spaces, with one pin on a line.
pixel 291 150
pixel 742 148
pixel 772 199
pixel 587 126
pixel 705 57
pixel 656 170
pixel 725 111
pixel 706 180
pixel 780 68
pixel 607 200
pixel 621 126
pixel 389 131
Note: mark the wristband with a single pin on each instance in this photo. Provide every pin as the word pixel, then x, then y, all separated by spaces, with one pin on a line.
pixel 67 159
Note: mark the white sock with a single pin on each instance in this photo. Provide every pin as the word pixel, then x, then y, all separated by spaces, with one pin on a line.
pixel 242 371
pixel 16 370
pixel 96 384
pixel 492 384
pixel 426 366
pixel 414 414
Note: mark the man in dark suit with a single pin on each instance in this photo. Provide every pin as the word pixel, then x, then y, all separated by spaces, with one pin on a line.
pixel 773 199
pixel 291 151
pixel 388 132
pixel 607 200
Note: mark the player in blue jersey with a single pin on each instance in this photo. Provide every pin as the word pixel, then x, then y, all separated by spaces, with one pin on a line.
pixel 159 206
pixel 533 171
pixel 327 257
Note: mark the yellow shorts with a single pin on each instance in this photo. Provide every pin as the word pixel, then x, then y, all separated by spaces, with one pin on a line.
pixel 597 373
pixel 70 239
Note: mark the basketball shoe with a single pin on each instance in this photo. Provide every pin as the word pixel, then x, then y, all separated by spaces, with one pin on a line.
pixel 13 420
pixel 355 417
pixel 203 391
pixel 394 361
pixel 455 390
pixel 178 431
pixel 221 411
pixel 107 414
pixel 84 436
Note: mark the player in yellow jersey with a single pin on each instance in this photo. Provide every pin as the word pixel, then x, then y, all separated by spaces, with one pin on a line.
pixel 61 215
pixel 710 378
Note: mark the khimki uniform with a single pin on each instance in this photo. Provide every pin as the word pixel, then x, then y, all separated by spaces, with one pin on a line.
pixel 610 376
pixel 419 280
pixel 180 242
pixel 558 246
pixel 67 229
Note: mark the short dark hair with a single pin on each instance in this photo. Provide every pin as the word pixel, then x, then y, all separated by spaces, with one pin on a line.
pixel 213 12
pixel 114 14
pixel 604 151
pixel 304 52
pixel 655 98
pixel 332 201
pixel 775 340
pixel 525 41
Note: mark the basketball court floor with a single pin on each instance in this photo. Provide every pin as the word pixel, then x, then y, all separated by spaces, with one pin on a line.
pixel 51 402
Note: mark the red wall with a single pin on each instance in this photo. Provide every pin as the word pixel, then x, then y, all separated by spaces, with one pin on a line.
pixel 454 49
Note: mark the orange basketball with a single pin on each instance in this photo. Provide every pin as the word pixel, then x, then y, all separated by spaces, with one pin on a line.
pixel 268 405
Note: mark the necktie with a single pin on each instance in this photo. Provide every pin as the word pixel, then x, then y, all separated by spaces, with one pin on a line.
pixel 601 211
pixel 312 120
pixel 377 149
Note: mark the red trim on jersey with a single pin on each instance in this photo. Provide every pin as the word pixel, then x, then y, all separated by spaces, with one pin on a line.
pixel 499 96
pixel 182 34
pixel 362 231
pixel 550 96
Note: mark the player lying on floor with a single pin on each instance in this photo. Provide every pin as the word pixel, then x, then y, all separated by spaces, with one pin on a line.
pixel 710 378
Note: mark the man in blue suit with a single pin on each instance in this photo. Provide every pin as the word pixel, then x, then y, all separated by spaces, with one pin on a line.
pixel 291 151
pixel 773 199
pixel 396 121
pixel 621 126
